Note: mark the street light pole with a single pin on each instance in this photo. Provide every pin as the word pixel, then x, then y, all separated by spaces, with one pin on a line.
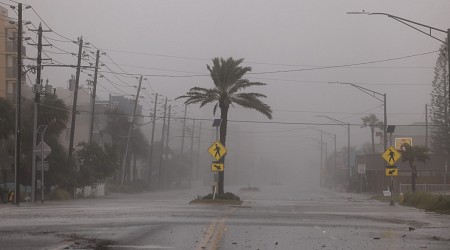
pixel 335 152
pixel 410 24
pixel 348 143
pixel 374 95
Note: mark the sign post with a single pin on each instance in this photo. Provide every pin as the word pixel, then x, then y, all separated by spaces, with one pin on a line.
pixel 44 151
pixel 391 155
pixel 361 172
pixel 217 150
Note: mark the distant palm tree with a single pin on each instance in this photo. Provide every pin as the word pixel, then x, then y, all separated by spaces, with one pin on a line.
pixel 228 81
pixel 412 154
pixel 372 122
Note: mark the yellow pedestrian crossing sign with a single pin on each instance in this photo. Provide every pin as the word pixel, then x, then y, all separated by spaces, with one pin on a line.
pixel 217 150
pixel 392 171
pixel 391 155
pixel 217 167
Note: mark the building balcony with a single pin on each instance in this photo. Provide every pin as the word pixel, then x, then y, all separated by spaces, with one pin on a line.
pixel 11 48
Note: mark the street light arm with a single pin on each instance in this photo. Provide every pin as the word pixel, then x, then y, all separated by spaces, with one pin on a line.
pixel 365 90
pixel 407 22
pixel 332 119
pixel 397 18
pixel 331 135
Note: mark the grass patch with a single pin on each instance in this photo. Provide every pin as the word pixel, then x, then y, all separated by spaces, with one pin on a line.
pixel 135 186
pixel 59 195
pixel 252 189
pixel 428 202
pixel 226 199
pixel 385 198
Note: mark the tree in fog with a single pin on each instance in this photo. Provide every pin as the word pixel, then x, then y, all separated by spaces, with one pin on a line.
pixel 440 133
pixel 55 114
pixel 6 119
pixel 411 154
pixel 373 123
pixel 227 76
pixel 117 127
pixel 96 163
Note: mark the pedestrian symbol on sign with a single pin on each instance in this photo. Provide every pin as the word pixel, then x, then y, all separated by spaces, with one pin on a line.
pixel 217 150
pixel 391 156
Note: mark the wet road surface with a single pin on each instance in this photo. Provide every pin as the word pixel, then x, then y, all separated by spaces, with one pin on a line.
pixel 276 217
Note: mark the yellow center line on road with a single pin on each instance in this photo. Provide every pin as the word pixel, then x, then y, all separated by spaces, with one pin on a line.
pixel 214 233
pixel 220 228
pixel 207 235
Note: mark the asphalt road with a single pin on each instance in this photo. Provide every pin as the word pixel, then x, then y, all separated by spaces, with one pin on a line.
pixel 276 217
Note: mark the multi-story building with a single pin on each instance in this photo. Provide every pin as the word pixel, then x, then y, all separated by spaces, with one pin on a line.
pixel 8 56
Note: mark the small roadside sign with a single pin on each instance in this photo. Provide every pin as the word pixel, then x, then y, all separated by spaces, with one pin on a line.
pixel 391 155
pixel 217 167
pixel 217 150
pixel 392 171
pixel 46 166
pixel 46 150
pixel 361 168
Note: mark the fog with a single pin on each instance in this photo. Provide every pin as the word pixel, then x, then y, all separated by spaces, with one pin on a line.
pixel 301 49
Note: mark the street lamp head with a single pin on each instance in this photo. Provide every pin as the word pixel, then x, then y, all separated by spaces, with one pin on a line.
pixel 358 12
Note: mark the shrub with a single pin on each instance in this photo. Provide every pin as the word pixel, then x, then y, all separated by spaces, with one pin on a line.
pixel 135 186
pixel 59 195
pixel 428 202
pixel 225 196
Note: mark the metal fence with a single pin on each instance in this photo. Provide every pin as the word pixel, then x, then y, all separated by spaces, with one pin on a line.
pixel 95 190
pixel 428 188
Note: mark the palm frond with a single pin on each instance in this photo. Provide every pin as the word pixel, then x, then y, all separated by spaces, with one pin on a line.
pixel 243 84
pixel 251 101
pixel 215 108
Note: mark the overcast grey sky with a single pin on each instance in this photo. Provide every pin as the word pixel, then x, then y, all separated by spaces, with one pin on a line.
pixel 180 37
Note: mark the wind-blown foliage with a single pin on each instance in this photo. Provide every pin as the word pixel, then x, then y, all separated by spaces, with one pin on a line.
pixel 6 119
pixel 412 154
pixel 227 76
pixel 95 162
pixel 53 113
pixel 117 127
pixel 372 122
pixel 440 133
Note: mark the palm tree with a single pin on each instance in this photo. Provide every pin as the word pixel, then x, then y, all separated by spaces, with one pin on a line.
pixel 228 81
pixel 372 122
pixel 412 154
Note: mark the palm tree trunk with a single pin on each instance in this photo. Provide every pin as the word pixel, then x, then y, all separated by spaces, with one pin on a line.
pixel 372 130
pixel 413 177
pixel 223 138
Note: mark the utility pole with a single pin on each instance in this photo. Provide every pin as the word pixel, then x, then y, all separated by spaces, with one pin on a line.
pixel 37 89
pixel 125 159
pixel 348 156
pixel 75 98
pixel 160 174
pixel 198 149
pixel 94 92
pixel 385 122
pixel 18 97
pixel 166 151
pixel 191 158
pixel 321 157
pixel 426 124
pixel 183 131
pixel 335 154
pixel 150 157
